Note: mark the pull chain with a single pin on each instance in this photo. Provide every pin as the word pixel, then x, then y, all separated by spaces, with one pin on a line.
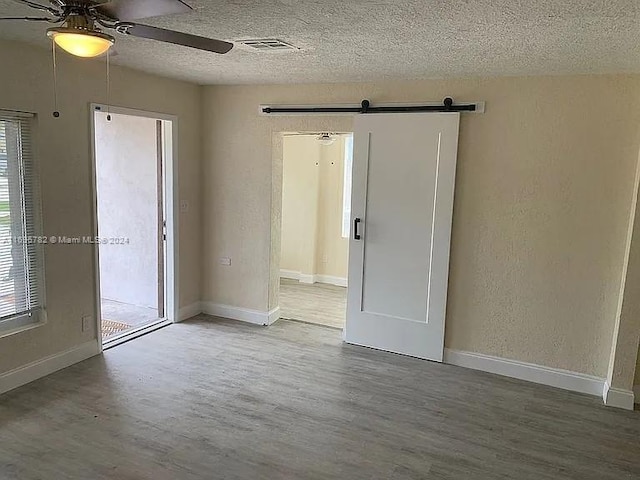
pixel 108 90
pixel 56 113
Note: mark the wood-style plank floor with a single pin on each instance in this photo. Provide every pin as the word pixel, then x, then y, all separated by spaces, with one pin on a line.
pixel 216 399
pixel 318 303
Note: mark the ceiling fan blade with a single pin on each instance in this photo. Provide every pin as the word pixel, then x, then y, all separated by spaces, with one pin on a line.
pixel 179 38
pixel 30 19
pixel 38 6
pixel 125 10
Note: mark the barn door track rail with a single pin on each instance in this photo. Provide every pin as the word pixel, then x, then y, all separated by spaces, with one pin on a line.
pixel 365 107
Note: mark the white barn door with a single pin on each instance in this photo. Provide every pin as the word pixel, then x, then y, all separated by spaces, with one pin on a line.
pixel 404 169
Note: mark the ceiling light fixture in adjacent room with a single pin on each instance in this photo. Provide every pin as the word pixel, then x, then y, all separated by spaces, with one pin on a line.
pixel 326 139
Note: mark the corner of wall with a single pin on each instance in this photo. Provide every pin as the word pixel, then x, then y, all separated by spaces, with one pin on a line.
pixel 624 343
pixel 617 397
pixel 202 184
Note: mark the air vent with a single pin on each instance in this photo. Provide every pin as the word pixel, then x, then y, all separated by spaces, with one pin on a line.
pixel 268 44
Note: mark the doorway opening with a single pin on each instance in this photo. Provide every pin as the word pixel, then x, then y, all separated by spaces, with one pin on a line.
pixel 316 224
pixel 133 155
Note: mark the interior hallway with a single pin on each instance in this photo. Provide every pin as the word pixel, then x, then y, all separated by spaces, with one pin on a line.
pixel 216 398
pixel 317 303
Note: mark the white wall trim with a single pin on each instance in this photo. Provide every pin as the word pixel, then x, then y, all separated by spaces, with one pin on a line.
pixel 617 397
pixel 332 280
pixel 554 377
pixel 189 311
pixel 636 393
pixel 46 366
pixel 307 278
pixel 290 274
pixel 172 209
pixel 256 317
pixel 274 315
pixel 317 278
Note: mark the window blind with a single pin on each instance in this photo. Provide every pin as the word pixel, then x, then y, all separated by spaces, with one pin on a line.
pixel 21 243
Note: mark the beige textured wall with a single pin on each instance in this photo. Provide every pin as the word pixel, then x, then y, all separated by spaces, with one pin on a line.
pixel 542 202
pixel 333 250
pixel 65 166
pixel 300 188
pixel 313 178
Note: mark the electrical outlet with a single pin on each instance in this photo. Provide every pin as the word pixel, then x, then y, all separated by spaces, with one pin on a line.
pixel 225 261
pixel 87 321
pixel 325 258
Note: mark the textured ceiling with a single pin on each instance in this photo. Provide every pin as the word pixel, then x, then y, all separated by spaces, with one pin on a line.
pixel 358 40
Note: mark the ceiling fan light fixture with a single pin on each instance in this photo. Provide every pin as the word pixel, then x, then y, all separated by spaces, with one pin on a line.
pixel 81 43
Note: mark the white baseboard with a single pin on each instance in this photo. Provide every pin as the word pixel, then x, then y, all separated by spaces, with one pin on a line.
pixel 290 274
pixel 189 311
pixel 299 276
pixel 331 280
pixel 46 366
pixel 314 278
pixel 274 315
pixel 553 377
pixel 256 317
pixel 617 397
pixel 307 278
pixel 636 393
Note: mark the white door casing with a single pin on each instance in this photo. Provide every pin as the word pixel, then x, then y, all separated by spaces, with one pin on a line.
pixel 402 205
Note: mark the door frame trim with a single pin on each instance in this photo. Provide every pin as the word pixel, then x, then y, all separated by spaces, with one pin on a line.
pixel 295 126
pixel 171 210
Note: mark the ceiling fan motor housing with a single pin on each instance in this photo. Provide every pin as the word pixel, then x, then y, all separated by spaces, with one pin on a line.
pixel 79 21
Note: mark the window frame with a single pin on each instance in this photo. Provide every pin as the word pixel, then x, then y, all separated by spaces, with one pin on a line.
pixel 347 181
pixel 34 317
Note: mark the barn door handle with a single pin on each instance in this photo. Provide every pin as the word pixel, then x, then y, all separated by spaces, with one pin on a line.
pixel 356 222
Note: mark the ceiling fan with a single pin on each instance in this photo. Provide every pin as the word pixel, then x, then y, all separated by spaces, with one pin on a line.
pixel 82 21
